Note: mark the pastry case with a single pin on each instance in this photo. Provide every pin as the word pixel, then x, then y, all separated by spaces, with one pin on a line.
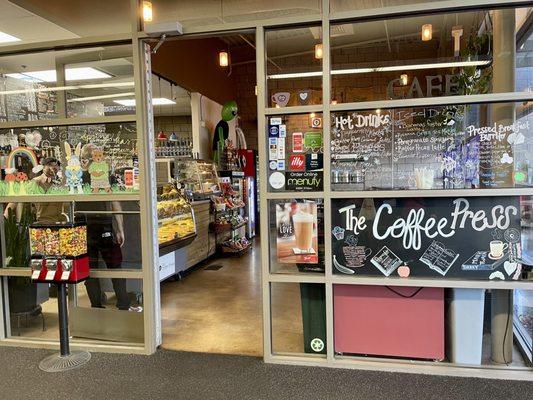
pixel 198 178
pixel 176 224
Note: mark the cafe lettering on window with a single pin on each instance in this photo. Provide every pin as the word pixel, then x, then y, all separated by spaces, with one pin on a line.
pixel 466 238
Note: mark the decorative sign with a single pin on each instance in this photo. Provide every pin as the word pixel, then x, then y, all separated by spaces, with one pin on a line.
pixel 281 99
pixel 297 238
pixel 313 140
pixel 304 181
pixel 297 162
pixel 466 238
pixel 314 161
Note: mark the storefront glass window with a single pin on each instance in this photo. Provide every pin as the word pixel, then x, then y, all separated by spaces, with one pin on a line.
pixel 297 236
pixel 99 309
pixel 97 82
pixel 475 52
pixel 295 153
pixel 294 66
pixel 69 160
pixel 434 326
pixel 298 318
pixel 434 147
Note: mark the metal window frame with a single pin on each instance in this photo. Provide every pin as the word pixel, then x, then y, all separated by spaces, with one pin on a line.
pixel 143 119
pixel 146 273
pixel 328 279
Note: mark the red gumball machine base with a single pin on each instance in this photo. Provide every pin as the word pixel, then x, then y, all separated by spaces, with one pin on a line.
pixel 60 270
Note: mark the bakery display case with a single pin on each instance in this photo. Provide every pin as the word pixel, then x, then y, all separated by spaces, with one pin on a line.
pixel 176 224
pixel 198 178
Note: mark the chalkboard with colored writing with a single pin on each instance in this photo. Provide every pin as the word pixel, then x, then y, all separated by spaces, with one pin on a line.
pixel 463 238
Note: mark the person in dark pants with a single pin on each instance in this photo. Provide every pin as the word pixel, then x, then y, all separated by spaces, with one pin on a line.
pixel 105 238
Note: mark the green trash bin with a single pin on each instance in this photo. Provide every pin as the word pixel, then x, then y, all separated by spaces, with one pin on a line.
pixel 313 297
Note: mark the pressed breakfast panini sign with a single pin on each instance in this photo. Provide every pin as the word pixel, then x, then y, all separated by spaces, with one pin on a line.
pixel 467 238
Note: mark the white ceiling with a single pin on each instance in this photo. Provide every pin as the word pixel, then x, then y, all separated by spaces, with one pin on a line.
pixel 29 27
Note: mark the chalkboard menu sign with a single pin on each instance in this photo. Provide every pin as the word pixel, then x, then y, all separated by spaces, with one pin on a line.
pixel 464 238
pixel 437 147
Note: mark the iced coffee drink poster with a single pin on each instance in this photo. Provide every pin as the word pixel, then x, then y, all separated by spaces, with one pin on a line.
pixel 464 238
pixel 297 239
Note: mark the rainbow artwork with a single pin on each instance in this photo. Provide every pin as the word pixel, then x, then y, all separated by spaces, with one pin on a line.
pixel 11 175
pixel 22 151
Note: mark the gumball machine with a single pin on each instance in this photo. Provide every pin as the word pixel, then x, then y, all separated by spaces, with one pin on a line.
pixel 59 252
pixel 59 256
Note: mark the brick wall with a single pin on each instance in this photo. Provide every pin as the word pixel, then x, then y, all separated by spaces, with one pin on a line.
pixel 182 125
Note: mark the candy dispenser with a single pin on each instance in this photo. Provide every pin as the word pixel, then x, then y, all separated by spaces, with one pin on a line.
pixel 59 252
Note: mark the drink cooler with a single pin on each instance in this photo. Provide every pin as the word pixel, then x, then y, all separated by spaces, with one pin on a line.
pixel 372 320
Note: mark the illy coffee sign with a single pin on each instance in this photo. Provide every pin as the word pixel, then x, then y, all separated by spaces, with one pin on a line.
pixel 297 162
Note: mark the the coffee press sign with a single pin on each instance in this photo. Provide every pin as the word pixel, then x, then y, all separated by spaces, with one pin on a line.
pixel 466 238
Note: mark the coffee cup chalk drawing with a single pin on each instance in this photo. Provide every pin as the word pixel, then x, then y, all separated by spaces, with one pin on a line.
pixel 356 256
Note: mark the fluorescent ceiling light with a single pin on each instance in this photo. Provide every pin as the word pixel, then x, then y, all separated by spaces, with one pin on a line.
pixel 71 74
pixel 101 97
pixel 162 101
pixel 450 64
pixel 126 102
pixel 158 101
pixel 70 87
pixel 7 38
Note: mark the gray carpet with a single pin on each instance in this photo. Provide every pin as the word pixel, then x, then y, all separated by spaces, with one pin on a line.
pixel 174 375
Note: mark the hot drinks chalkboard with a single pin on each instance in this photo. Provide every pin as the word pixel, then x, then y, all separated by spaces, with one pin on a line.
pixel 465 238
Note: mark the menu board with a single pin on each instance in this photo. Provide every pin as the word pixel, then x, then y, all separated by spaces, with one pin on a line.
pixel 437 147
pixel 464 238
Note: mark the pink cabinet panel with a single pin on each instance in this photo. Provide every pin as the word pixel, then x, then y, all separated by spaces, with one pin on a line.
pixel 395 321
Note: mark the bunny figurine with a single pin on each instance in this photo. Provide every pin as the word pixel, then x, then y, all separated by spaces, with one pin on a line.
pixel 73 172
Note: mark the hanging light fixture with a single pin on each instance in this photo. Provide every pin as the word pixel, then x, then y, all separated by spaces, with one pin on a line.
pixel 404 79
pixel 427 32
pixel 147 11
pixel 319 51
pixel 223 58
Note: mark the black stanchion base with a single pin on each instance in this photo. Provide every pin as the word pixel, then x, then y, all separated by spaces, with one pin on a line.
pixel 59 363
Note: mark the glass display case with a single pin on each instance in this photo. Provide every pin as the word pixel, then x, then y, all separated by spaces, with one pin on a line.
pixel 176 224
pixel 198 178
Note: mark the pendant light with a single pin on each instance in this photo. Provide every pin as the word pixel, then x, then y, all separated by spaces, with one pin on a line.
pixel 427 32
pixel 223 58
pixel 319 51
pixel 404 79
pixel 147 11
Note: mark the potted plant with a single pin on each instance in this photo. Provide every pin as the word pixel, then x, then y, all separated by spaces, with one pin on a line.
pixel 22 292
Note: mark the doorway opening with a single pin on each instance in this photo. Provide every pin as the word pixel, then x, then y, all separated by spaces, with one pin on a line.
pixel 205 136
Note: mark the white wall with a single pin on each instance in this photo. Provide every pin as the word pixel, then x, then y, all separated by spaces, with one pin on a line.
pixel 205 116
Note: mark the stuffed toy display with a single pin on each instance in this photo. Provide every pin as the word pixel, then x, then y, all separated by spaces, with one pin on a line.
pixel 228 113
